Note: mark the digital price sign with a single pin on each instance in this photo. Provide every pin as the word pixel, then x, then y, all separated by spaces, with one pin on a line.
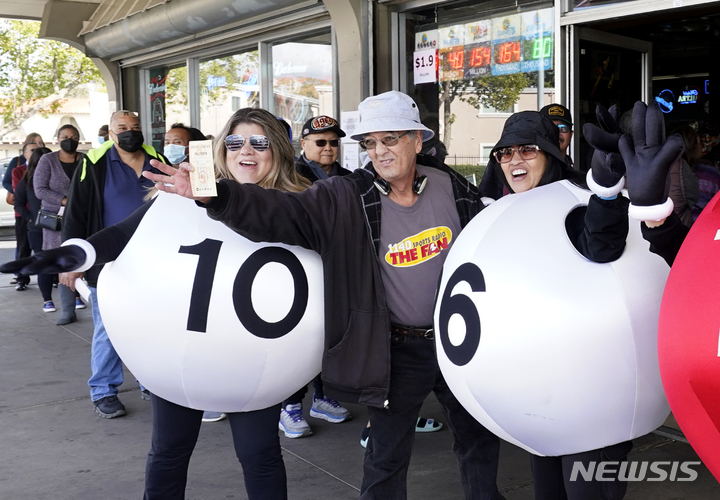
pixel 538 47
pixel 478 60
pixel 508 52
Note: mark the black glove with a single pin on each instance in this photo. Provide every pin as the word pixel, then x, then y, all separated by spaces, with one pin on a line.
pixel 58 260
pixel 648 158
pixel 605 177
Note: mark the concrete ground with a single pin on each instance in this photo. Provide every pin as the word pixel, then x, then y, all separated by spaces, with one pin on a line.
pixel 53 446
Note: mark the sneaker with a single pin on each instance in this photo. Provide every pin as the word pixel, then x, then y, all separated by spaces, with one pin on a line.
pixel 145 395
pixel 13 281
pixel 49 307
pixel 109 407
pixel 292 422
pixel 213 416
pixel 21 287
pixel 79 304
pixel 427 425
pixel 365 437
pixel 329 409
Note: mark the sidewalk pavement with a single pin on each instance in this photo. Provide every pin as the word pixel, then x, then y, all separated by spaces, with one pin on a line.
pixel 55 447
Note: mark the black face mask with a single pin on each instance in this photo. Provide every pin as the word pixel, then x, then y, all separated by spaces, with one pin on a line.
pixel 130 140
pixel 69 145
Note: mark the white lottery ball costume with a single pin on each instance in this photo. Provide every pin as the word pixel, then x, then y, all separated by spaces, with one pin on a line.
pixel 566 356
pixel 153 300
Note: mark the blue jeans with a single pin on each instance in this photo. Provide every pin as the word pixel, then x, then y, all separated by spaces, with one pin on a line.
pixel 175 432
pixel 106 366
pixel 414 374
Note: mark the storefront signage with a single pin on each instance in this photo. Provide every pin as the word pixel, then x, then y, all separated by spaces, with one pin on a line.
pixel 504 45
pixel 665 100
pixel 425 68
pixel 689 96
pixel 426 40
pixel 451 54
pixel 158 89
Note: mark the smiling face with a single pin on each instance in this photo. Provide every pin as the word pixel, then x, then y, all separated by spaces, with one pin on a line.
pixel 247 165
pixel 523 175
pixel 324 156
pixel 395 163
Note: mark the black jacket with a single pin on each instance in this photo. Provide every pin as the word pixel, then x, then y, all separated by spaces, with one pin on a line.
pixel 338 218
pixel 27 204
pixel 302 168
pixel 84 210
pixel 667 239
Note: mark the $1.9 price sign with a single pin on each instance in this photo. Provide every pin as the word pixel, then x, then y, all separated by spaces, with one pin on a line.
pixel 425 66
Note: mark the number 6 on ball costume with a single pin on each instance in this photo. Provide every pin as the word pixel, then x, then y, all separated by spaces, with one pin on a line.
pixel 546 320
pixel 217 319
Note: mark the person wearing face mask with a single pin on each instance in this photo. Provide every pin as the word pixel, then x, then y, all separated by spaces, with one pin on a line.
pixel 177 140
pixel 103 134
pixel 107 187
pixel 51 183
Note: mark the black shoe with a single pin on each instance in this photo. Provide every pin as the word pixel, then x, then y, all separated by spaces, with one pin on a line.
pixel 145 395
pixel 21 287
pixel 109 407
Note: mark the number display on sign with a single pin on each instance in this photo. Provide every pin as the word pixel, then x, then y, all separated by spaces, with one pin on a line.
pixel 425 62
pixel 481 56
pixel 508 52
pixel 463 305
pixel 208 251
pixel 456 59
pixel 545 45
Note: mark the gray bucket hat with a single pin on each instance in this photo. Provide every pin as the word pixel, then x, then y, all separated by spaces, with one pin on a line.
pixel 389 112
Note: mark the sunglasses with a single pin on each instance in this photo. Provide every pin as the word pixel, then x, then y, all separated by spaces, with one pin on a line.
pixel 527 152
pixel 321 143
pixel 388 141
pixel 259 143
pixel 564 129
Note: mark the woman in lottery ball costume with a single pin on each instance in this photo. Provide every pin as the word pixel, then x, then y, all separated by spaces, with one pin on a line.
pixel 253 148
pixel 527 156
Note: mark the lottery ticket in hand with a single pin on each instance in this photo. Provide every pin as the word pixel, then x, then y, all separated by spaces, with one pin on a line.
pixel 202 179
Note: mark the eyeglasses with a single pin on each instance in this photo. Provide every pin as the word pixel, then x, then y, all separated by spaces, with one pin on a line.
pixel 527 152
pixel 564 129
pixel 259 143
pixel 321 143
pixel 387 141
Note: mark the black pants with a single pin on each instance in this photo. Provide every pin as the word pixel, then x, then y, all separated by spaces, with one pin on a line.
pixel 552 475
pixel 45 281
pixel 22 245
pixel 175 432
pixel 414 375
pixel 300 394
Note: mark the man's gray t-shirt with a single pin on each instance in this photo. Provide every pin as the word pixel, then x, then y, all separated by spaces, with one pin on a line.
pixel 414 242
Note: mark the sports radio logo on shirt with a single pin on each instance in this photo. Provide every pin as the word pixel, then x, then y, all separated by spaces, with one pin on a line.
pixel 419 248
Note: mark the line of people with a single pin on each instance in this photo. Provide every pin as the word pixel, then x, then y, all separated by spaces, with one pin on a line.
pixel 379 335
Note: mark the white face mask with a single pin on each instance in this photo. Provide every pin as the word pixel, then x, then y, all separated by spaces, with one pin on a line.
pixel 175 153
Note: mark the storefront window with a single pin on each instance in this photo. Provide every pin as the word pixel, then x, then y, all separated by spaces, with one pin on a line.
pixel 469 72
pixel 176 99
pixel 226 85
pixel 303 81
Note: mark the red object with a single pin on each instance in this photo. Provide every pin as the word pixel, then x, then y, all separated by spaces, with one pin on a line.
pixel 689 337
pixel 17 175
pixel 480 56
pixel 508 52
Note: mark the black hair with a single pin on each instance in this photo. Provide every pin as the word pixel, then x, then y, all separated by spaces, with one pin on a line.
pixel 67 126
pixel 193 133
pixel 32 165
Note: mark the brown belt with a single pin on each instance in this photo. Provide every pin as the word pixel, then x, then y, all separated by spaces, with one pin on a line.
pixel 427 332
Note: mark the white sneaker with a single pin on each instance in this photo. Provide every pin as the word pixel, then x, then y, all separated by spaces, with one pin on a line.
pixel 292 422
pixel 330 410
pixel 213 416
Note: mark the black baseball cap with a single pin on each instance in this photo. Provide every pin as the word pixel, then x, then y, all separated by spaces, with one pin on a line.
pixel 557 112
pixel 321 123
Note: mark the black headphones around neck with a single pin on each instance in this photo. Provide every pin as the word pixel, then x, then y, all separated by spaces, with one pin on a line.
pixel 418 184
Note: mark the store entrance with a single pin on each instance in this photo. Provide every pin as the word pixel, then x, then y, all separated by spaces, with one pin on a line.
pixel 668 57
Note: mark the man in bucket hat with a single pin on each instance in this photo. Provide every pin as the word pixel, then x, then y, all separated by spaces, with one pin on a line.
pixel 383 233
